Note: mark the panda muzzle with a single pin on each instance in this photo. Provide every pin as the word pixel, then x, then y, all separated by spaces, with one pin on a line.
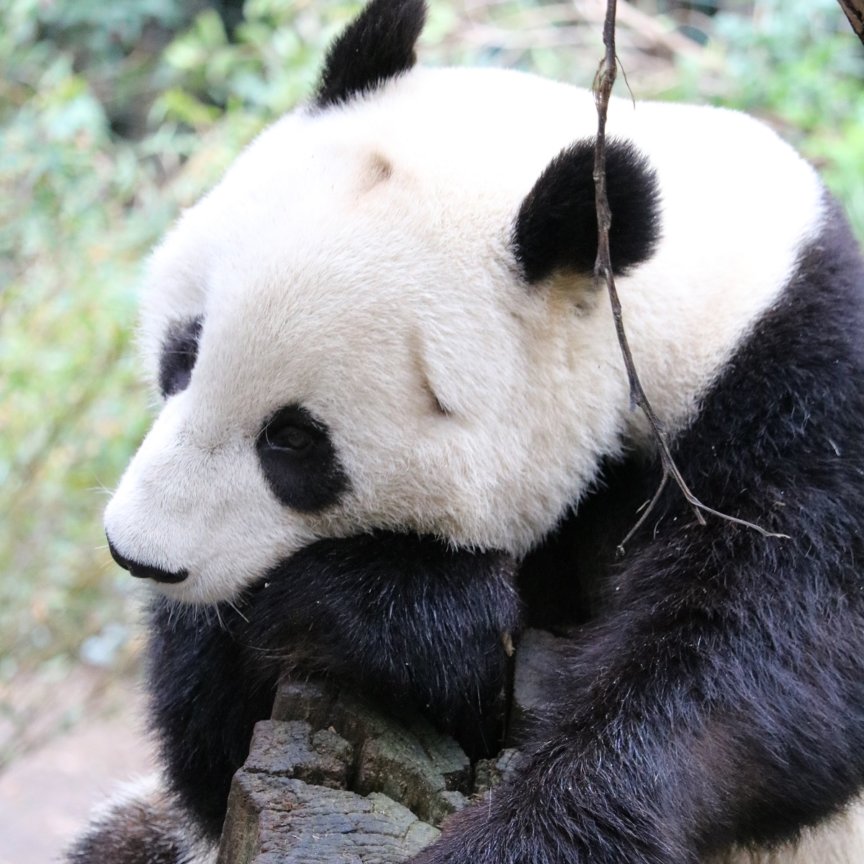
pixel 146 571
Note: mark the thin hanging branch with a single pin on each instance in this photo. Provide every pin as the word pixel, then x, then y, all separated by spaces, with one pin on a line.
pixel 603 84
pixel 854 10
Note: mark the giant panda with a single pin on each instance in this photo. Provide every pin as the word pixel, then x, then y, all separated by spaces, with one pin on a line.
pixel 396 424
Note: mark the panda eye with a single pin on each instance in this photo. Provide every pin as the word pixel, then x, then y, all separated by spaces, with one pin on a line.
pixel 299 461
pixel 293 430
pixel 179 352
pixel 288 437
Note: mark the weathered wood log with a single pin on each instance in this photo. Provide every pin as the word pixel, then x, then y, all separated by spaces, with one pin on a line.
pixel 332 779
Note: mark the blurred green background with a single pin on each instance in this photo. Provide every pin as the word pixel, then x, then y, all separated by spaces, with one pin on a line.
pixel 115 115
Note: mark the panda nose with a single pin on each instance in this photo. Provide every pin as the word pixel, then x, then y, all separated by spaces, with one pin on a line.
pixel 146 571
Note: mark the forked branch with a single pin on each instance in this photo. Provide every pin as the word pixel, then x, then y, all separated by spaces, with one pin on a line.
pixel 603 84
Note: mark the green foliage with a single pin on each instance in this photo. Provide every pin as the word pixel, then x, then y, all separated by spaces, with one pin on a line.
pixel 112 116
pixel 68 255
pixel 80 206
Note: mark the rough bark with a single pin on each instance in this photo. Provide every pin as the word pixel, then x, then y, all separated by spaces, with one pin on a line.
pixel 330 778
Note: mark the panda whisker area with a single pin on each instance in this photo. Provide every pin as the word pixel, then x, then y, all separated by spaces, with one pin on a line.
pixel 218 615
pixel 403 445
pixel 237 610
pixel 101 489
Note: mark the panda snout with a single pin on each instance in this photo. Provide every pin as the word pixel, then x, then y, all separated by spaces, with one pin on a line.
pixel 146 571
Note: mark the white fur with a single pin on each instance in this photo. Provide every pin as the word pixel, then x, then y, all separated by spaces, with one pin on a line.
pixel 357 261
pixel 837 841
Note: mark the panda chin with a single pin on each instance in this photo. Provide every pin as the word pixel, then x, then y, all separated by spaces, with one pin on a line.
pixel 198 592
pixel 190 588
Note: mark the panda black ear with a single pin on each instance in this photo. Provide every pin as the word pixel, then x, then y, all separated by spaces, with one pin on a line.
pixel 556 229
pixel 378 44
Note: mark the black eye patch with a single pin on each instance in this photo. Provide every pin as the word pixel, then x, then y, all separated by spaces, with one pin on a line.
pixel 179 351
pixel 299 460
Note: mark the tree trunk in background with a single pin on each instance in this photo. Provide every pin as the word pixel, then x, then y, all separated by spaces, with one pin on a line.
pixel 854 10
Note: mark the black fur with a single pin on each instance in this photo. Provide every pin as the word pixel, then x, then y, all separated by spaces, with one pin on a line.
pixel 376 46
pixel 143 830
pixel 405 619
pixel 299 460
pixel 556 229
pixel 179 352
pixel 717 696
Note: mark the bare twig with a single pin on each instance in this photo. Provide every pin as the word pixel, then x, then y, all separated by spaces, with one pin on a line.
pixel 603 84
pixel 854 10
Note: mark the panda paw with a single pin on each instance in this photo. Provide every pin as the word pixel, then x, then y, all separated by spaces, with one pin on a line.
pixel 463 843
pixel 479 835
pixel 543 818
pixel 403 618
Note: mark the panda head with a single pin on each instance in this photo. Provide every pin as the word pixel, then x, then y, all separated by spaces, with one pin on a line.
pixel 382 317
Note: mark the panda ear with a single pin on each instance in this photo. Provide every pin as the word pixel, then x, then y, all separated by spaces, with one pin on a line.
pixel 556 229
pixel 378 45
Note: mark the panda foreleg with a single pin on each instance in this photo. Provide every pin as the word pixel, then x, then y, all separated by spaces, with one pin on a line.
pixel 406 620
pixel 687 722
pixel 206 694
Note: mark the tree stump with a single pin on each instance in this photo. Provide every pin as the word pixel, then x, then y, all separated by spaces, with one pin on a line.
pixel 330 778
